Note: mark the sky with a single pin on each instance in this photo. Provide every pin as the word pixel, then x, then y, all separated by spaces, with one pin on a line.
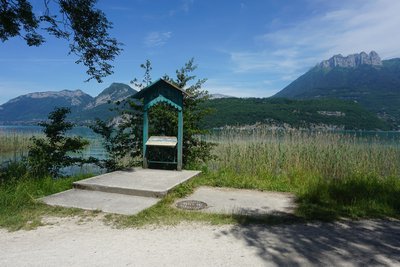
pixel 250 48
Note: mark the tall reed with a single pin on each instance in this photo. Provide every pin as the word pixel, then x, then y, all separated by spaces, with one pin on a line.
pixel 287 154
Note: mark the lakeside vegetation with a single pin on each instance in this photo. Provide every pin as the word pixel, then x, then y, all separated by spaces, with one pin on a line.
pixel 19 204
pixel 332 175
pixel 15 143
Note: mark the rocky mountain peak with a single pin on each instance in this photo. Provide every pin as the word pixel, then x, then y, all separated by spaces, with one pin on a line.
pixel 115 92
pixel 352 61
pixel 75 97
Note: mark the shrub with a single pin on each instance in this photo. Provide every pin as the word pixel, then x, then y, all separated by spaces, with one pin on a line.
pixel 49 154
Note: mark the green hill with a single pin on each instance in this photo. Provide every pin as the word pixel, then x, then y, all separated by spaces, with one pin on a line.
pixel 375 86
pixel 248 111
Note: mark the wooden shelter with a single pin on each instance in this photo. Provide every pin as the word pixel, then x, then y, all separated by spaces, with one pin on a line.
pixel 162 91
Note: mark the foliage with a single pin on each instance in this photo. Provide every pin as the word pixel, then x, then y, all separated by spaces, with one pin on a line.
pixel 48 155
pixel 19 207
pixel 78 21
pixel 14 171
pixel 332 175
pixel 14 143
pixel 124 138
pixel 121 141
pixel 163 118
pixel 297 113
pixel 355 196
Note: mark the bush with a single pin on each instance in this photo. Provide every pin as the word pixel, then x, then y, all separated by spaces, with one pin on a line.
pixel 49 154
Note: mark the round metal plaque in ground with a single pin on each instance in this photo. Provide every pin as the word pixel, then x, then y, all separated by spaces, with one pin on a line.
pixel 191 205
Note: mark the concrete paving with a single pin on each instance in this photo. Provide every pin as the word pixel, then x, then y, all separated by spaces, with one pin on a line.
pixel 243 202
pixel 137 182
pixel 121 192
pixel 106 202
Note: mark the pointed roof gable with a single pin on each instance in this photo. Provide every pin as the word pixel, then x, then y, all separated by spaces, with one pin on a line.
pixel 159 84
pixel 161 91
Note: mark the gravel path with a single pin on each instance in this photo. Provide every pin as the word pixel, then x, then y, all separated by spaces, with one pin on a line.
pixel 69 243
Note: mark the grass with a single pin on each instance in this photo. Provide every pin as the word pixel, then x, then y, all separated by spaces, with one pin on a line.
pixel 14 145
pixel 332 176
pixel 19 204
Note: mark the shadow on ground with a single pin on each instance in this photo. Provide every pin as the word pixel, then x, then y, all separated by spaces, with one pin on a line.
pixel 349 243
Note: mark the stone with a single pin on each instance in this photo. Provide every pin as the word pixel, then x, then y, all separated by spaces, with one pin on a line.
pixel 352 61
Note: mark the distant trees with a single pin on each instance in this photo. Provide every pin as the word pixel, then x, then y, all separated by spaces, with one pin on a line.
pixel 78 21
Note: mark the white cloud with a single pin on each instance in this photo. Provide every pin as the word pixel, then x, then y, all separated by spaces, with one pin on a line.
pixel 286 66
pixel 353 27
pixel 186 5
pixel 239 88
pixel 155 39
pixel 371 25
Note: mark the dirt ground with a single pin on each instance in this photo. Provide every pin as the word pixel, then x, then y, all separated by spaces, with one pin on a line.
pixel 69 242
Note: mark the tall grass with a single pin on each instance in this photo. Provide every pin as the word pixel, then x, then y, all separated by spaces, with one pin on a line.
pixel 14 143
pixel 332 174
pixel 19 194
pixel 329 155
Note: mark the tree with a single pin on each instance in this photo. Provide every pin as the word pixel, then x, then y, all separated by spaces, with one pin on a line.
pixel 122 141
pixel 125 138
pixel 194 149
pixel 78 21
pixel 163 118
pixel 48 155
pixel 122 138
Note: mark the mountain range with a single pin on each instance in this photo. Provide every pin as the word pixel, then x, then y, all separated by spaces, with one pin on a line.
pixel 345 90
pixel 362 78
pixel 34 107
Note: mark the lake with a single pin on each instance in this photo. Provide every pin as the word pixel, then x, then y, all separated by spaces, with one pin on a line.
pixel 95 148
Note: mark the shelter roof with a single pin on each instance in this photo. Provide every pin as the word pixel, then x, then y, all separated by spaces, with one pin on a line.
pixel 160 83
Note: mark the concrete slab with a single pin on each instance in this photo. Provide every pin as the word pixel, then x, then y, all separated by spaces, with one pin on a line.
pixel 137 181
pixel 106 202
pixel 243 202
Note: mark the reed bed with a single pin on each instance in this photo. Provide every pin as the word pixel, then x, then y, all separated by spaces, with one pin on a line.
pixel 285 153
pixel 332 174
pixel 14 142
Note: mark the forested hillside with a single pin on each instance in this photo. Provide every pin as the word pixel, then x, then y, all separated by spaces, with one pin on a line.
pixel 298 113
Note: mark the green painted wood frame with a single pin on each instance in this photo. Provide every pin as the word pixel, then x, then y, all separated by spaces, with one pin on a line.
pixel 162 91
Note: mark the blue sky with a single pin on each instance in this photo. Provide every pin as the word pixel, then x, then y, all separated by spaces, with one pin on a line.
pixel 244 48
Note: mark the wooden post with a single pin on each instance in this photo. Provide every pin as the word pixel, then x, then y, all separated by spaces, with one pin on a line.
pixel 145 137
pixel 180 139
